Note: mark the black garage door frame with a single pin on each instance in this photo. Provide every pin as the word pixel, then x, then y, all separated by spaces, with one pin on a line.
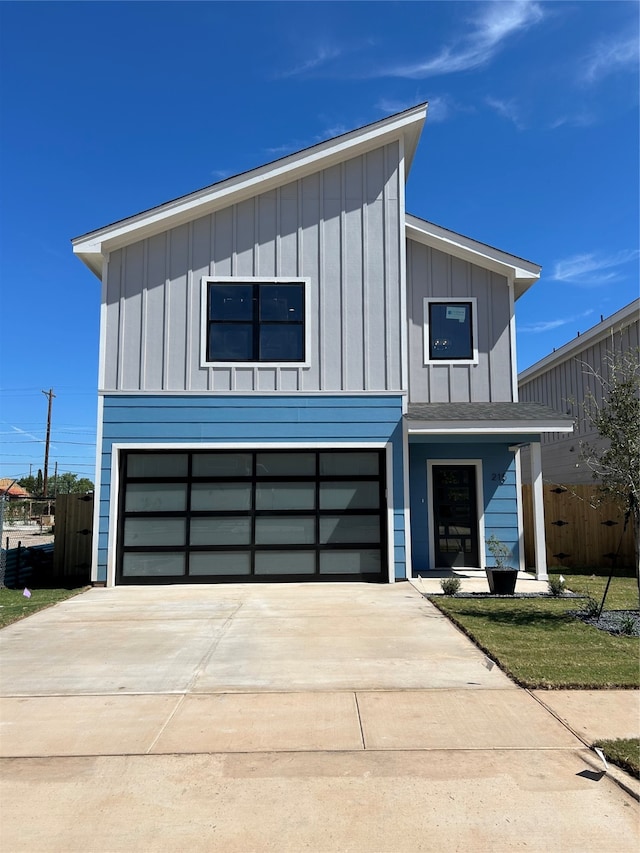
pixel 333 469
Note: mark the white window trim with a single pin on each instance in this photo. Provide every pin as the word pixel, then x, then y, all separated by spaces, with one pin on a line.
pixel 252 279
pixel 474 328
pixel 477 463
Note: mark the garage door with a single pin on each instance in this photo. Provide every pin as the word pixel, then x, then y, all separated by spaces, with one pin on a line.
pixel 206 516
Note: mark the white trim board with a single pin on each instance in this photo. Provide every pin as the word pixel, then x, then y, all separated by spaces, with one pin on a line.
pixel 524 273
pixel 254 279
pixel 450 300
pixel 439 428
pixel 105 392
pixel 406 125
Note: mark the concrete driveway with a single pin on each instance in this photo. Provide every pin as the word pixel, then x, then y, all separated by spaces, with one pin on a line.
pixel 323 717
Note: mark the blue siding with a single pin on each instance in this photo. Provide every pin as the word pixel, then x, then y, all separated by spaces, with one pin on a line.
pixel 317 419
pixel 498 486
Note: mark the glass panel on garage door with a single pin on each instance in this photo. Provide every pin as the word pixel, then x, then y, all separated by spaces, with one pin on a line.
pixel 208 516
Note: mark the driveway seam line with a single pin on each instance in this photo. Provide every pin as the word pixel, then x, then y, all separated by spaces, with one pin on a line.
pixel 383 751
pixel 166 723
pixel 204 660
pixel 564 723
pixel 355 696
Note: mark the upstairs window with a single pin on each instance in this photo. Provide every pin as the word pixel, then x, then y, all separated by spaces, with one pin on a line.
pixel 255 321
pixel 450 331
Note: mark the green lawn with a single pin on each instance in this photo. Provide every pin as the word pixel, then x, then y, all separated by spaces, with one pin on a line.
pixel 622 594
pixel 539 644
pixel 625 753
pixel 14 605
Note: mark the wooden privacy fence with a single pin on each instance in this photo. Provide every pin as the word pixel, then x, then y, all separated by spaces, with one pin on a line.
pixel 576 533
pixel 73 535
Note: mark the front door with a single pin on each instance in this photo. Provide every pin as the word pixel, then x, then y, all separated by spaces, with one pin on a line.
pixel 455 516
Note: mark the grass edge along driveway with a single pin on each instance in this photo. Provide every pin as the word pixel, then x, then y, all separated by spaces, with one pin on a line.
pixel 539 644
pixel 14 605
pixel 625 752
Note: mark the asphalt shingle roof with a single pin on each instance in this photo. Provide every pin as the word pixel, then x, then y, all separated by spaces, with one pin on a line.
pixel 488 412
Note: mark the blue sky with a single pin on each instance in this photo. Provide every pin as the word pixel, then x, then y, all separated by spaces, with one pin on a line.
pixel 531 145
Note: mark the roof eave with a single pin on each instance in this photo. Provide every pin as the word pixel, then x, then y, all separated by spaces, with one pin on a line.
pixel 519 427
pixel 523 273
pixel 621 319
pixel 91 247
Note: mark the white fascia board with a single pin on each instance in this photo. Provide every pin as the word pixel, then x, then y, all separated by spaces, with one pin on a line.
pixel 249 444
pixel 160 392
pixel 407 125
pixel 618 321
pixel 523 273
pixel 496 428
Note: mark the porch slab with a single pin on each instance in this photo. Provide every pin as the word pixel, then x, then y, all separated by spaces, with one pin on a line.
pixel 474 580
pixel 596 714
pixel 82 725
pixel 263 722
pixel 456 719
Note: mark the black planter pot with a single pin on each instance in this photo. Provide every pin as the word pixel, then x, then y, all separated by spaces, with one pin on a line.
pixel 501 581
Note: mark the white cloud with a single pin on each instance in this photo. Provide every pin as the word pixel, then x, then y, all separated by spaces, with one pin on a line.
pixel 506 109
pixel 440 107
pixel 391 105
pixel 592 269
pixel 577 120
pixel 300 144
pixel 608 57
pixel 548 325
pixel 322 55
pixel 287 148
pixel 330 132
pixel 27 434
pixel 496 23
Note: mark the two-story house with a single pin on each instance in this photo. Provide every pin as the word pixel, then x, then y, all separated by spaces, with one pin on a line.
pixel 300 381
pixel 564 378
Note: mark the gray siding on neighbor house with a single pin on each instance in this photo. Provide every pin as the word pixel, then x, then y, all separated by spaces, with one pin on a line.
pixel 563 387
pixel 340 227
pixel 431 273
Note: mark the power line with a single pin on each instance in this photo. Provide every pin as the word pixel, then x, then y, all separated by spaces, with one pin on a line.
pixel 53 441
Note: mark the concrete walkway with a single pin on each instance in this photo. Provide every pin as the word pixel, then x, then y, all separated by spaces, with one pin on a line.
pixel 288 717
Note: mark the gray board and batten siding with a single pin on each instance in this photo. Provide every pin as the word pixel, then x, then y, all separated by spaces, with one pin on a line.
pixel 340 227
pixel 563 386
pixel 431 273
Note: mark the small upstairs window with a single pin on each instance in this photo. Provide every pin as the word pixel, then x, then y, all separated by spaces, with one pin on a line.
pixel 450 333
pixel 255 321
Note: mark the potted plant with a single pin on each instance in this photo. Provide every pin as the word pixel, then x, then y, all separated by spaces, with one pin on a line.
pixel 501 576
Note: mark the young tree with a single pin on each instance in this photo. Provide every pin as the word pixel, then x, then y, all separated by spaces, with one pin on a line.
pixel 63 484
pixel 612 408
pixel 68 484
pixel 32 484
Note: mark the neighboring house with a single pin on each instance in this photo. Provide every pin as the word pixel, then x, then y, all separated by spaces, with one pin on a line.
pixel 300 381
pixel 11 490
pixel 561 379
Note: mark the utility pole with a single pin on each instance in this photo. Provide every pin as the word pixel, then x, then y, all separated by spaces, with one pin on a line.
pixel 50 395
